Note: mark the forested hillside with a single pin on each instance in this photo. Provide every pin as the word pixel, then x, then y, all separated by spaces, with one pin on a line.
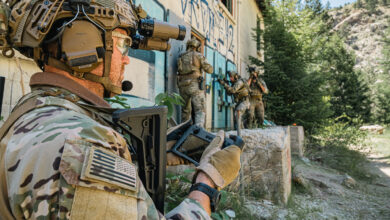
pixel 325 64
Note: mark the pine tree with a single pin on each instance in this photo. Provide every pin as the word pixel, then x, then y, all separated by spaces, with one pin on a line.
pixel 371 5
pixel 295 93
pixel 358 4
pixel 349 93
pixel 386 51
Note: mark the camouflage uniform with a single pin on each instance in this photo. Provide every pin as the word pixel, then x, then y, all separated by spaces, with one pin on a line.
pixel 190 66
pixel 240 91
pixel 256 102
pixel 44 157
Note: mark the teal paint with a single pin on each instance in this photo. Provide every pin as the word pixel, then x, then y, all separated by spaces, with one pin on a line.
pixel 209 54
pixel 229 100
pixel 219 93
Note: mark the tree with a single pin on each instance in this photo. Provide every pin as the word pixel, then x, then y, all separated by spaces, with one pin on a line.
pixel 349 93
pixel 386 51
pixel 358 4
pixel 371 5
pixel 381 85
pixel 295 91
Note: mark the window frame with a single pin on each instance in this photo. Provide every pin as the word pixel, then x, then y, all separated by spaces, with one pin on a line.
pixel 229 6
pixel 201 39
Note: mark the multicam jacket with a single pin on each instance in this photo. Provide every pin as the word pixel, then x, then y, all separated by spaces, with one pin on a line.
pixel 45 161
pixel 240 90
pixel 257 88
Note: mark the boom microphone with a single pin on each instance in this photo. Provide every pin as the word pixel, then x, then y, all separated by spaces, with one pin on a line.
pixel 127 86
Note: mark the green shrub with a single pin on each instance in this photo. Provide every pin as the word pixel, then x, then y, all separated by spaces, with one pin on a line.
pixel 338 145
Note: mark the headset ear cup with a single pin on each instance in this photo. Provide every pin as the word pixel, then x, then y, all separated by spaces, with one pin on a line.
pixel 88 51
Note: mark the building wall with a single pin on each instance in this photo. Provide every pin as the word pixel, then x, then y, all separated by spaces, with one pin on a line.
pixel 227 47
pixel 17 72
pixel 247 21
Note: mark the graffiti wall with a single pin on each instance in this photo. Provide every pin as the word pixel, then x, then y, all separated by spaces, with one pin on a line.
pixel 206 17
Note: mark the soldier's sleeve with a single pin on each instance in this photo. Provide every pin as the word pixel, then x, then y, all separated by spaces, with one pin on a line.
pixel 229 89
pixel 208 68
pixel 179 65
pixel 187 210
pixel 237 86
pixel 262 85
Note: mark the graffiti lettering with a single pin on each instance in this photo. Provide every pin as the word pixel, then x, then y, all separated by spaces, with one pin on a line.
pixel 205 16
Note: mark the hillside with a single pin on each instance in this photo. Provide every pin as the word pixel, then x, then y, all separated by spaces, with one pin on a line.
pixel 363 33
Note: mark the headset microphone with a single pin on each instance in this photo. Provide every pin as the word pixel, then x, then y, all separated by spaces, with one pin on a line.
pixel 127 86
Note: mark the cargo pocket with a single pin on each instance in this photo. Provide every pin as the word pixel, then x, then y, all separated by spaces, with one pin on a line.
pixel 106 186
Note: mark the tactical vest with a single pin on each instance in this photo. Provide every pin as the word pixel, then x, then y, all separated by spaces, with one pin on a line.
pixel 188 63
pixel 243 92
pixel 255 91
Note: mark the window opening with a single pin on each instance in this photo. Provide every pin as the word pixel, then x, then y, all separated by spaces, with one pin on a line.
pixel 229 5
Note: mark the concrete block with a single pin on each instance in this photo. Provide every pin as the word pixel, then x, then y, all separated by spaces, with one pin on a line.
pixel 297 135
pixel 266 164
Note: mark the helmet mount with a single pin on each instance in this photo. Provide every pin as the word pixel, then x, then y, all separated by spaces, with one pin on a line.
pixel 32 25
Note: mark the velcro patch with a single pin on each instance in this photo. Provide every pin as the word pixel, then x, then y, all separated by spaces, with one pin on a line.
pixel 105 166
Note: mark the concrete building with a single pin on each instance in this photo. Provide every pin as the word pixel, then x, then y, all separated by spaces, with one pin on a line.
pixel 225 28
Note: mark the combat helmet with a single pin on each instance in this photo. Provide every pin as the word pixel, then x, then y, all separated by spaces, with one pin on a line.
pixel 83 31
pixel 193 43
pixel 252 69
pixel 233 74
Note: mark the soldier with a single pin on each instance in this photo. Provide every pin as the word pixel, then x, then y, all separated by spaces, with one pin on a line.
pixel 257 88
pixel 191 65
pixel 240 91
pixel 46 141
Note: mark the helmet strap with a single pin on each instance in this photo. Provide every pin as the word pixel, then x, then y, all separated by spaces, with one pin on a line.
pixel 105 79
pixel 107 62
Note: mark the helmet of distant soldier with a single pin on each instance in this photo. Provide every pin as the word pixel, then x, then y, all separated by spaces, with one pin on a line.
pixel 252 69
pixel 193 43
pixel 233 74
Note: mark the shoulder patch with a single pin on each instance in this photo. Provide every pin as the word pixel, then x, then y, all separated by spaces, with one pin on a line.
pixel 107 167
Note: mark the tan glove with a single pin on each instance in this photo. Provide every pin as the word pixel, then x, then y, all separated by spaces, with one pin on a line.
pixel 172 159
pixel 221 165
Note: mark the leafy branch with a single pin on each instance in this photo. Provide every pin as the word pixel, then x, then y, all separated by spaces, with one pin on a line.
pixel 118 100
pixel 169 100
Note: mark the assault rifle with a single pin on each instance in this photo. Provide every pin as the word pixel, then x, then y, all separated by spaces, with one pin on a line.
pixel 145 130
pixel 192 140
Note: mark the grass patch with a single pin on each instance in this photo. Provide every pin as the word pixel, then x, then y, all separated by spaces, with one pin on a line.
pixel 338 146
pixel 297 211
pixel 178 188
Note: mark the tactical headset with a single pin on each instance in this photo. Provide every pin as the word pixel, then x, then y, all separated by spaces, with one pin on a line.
pixel 83 31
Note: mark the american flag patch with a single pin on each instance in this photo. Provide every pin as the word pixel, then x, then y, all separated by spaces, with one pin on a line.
pixel 110 168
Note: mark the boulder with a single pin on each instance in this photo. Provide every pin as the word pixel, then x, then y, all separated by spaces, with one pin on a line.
pixel 373 128
pixel 297 139
pixel 265 164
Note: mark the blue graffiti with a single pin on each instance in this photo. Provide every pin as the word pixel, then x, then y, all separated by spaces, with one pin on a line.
pixel 208 21
pixel 184 5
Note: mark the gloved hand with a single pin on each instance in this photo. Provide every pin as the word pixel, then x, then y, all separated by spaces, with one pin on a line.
pixel 174 134
pixel 221 165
